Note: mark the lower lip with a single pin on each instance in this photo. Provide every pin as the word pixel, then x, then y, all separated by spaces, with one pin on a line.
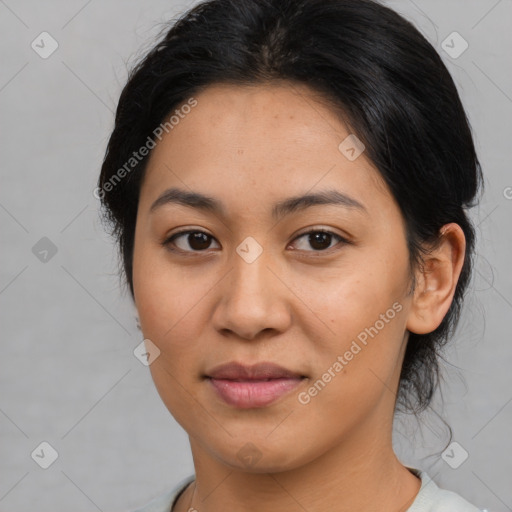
pixel 254 393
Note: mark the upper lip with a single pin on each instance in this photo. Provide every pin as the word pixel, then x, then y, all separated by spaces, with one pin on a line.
pixel 264 370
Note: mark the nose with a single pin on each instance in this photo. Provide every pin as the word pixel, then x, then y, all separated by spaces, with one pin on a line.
pixel 252 299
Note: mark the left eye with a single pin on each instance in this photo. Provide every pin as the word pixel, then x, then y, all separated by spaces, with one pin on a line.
pixel 200 241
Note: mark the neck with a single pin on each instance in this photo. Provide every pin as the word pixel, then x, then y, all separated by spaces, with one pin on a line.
pixel 360 473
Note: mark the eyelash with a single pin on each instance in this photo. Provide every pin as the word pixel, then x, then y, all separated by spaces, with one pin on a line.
pixel 170 240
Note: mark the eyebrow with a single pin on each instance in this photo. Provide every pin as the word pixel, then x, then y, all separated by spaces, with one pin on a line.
pixel 279 210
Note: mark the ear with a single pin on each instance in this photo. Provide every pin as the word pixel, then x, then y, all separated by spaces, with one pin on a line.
pixel 437 280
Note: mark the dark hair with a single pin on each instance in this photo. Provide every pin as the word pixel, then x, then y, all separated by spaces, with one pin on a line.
pixel 372 66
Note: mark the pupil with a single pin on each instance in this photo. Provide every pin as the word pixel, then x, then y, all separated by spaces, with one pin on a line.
pixel 320 237
pixel 197 238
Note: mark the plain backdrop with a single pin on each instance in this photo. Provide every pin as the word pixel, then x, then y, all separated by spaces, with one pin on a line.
pixel 68 374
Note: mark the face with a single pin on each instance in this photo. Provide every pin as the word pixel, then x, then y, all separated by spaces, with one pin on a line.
pixel 319 287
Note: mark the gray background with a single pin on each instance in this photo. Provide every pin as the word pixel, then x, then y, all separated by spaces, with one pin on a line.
pixel 68 375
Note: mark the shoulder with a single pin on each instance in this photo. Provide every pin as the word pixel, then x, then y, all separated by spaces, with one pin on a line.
pixel 432 498
pixel 165 501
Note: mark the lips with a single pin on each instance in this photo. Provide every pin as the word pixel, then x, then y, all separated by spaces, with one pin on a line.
pixel 253 386
pixel 260 371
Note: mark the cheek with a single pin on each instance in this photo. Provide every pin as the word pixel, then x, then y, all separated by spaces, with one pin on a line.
pixel 365 310
pixel 169 300
pixel 157 296
pixel 355 298
pixel 167 304
pixel 355 366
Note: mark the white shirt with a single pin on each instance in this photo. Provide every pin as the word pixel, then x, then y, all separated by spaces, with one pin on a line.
pixel 430 498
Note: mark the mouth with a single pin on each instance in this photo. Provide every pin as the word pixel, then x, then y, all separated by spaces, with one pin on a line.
pixel 247 387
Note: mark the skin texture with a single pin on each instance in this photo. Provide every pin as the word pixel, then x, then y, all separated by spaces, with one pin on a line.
pixel 294 305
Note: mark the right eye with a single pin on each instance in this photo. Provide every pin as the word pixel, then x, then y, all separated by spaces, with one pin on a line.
pixel 198 241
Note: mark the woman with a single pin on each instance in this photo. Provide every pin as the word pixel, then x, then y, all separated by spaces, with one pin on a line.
pixel 288 183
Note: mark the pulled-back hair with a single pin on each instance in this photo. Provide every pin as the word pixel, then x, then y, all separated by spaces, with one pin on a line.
pixel 373 67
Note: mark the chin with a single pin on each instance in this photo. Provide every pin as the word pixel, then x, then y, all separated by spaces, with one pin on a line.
pixel 261 456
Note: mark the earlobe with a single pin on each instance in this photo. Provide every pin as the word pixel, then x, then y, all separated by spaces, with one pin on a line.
pixel 437 280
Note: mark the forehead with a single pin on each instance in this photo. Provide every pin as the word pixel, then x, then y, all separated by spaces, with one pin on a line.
pixel 251 115
pixel 253 143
